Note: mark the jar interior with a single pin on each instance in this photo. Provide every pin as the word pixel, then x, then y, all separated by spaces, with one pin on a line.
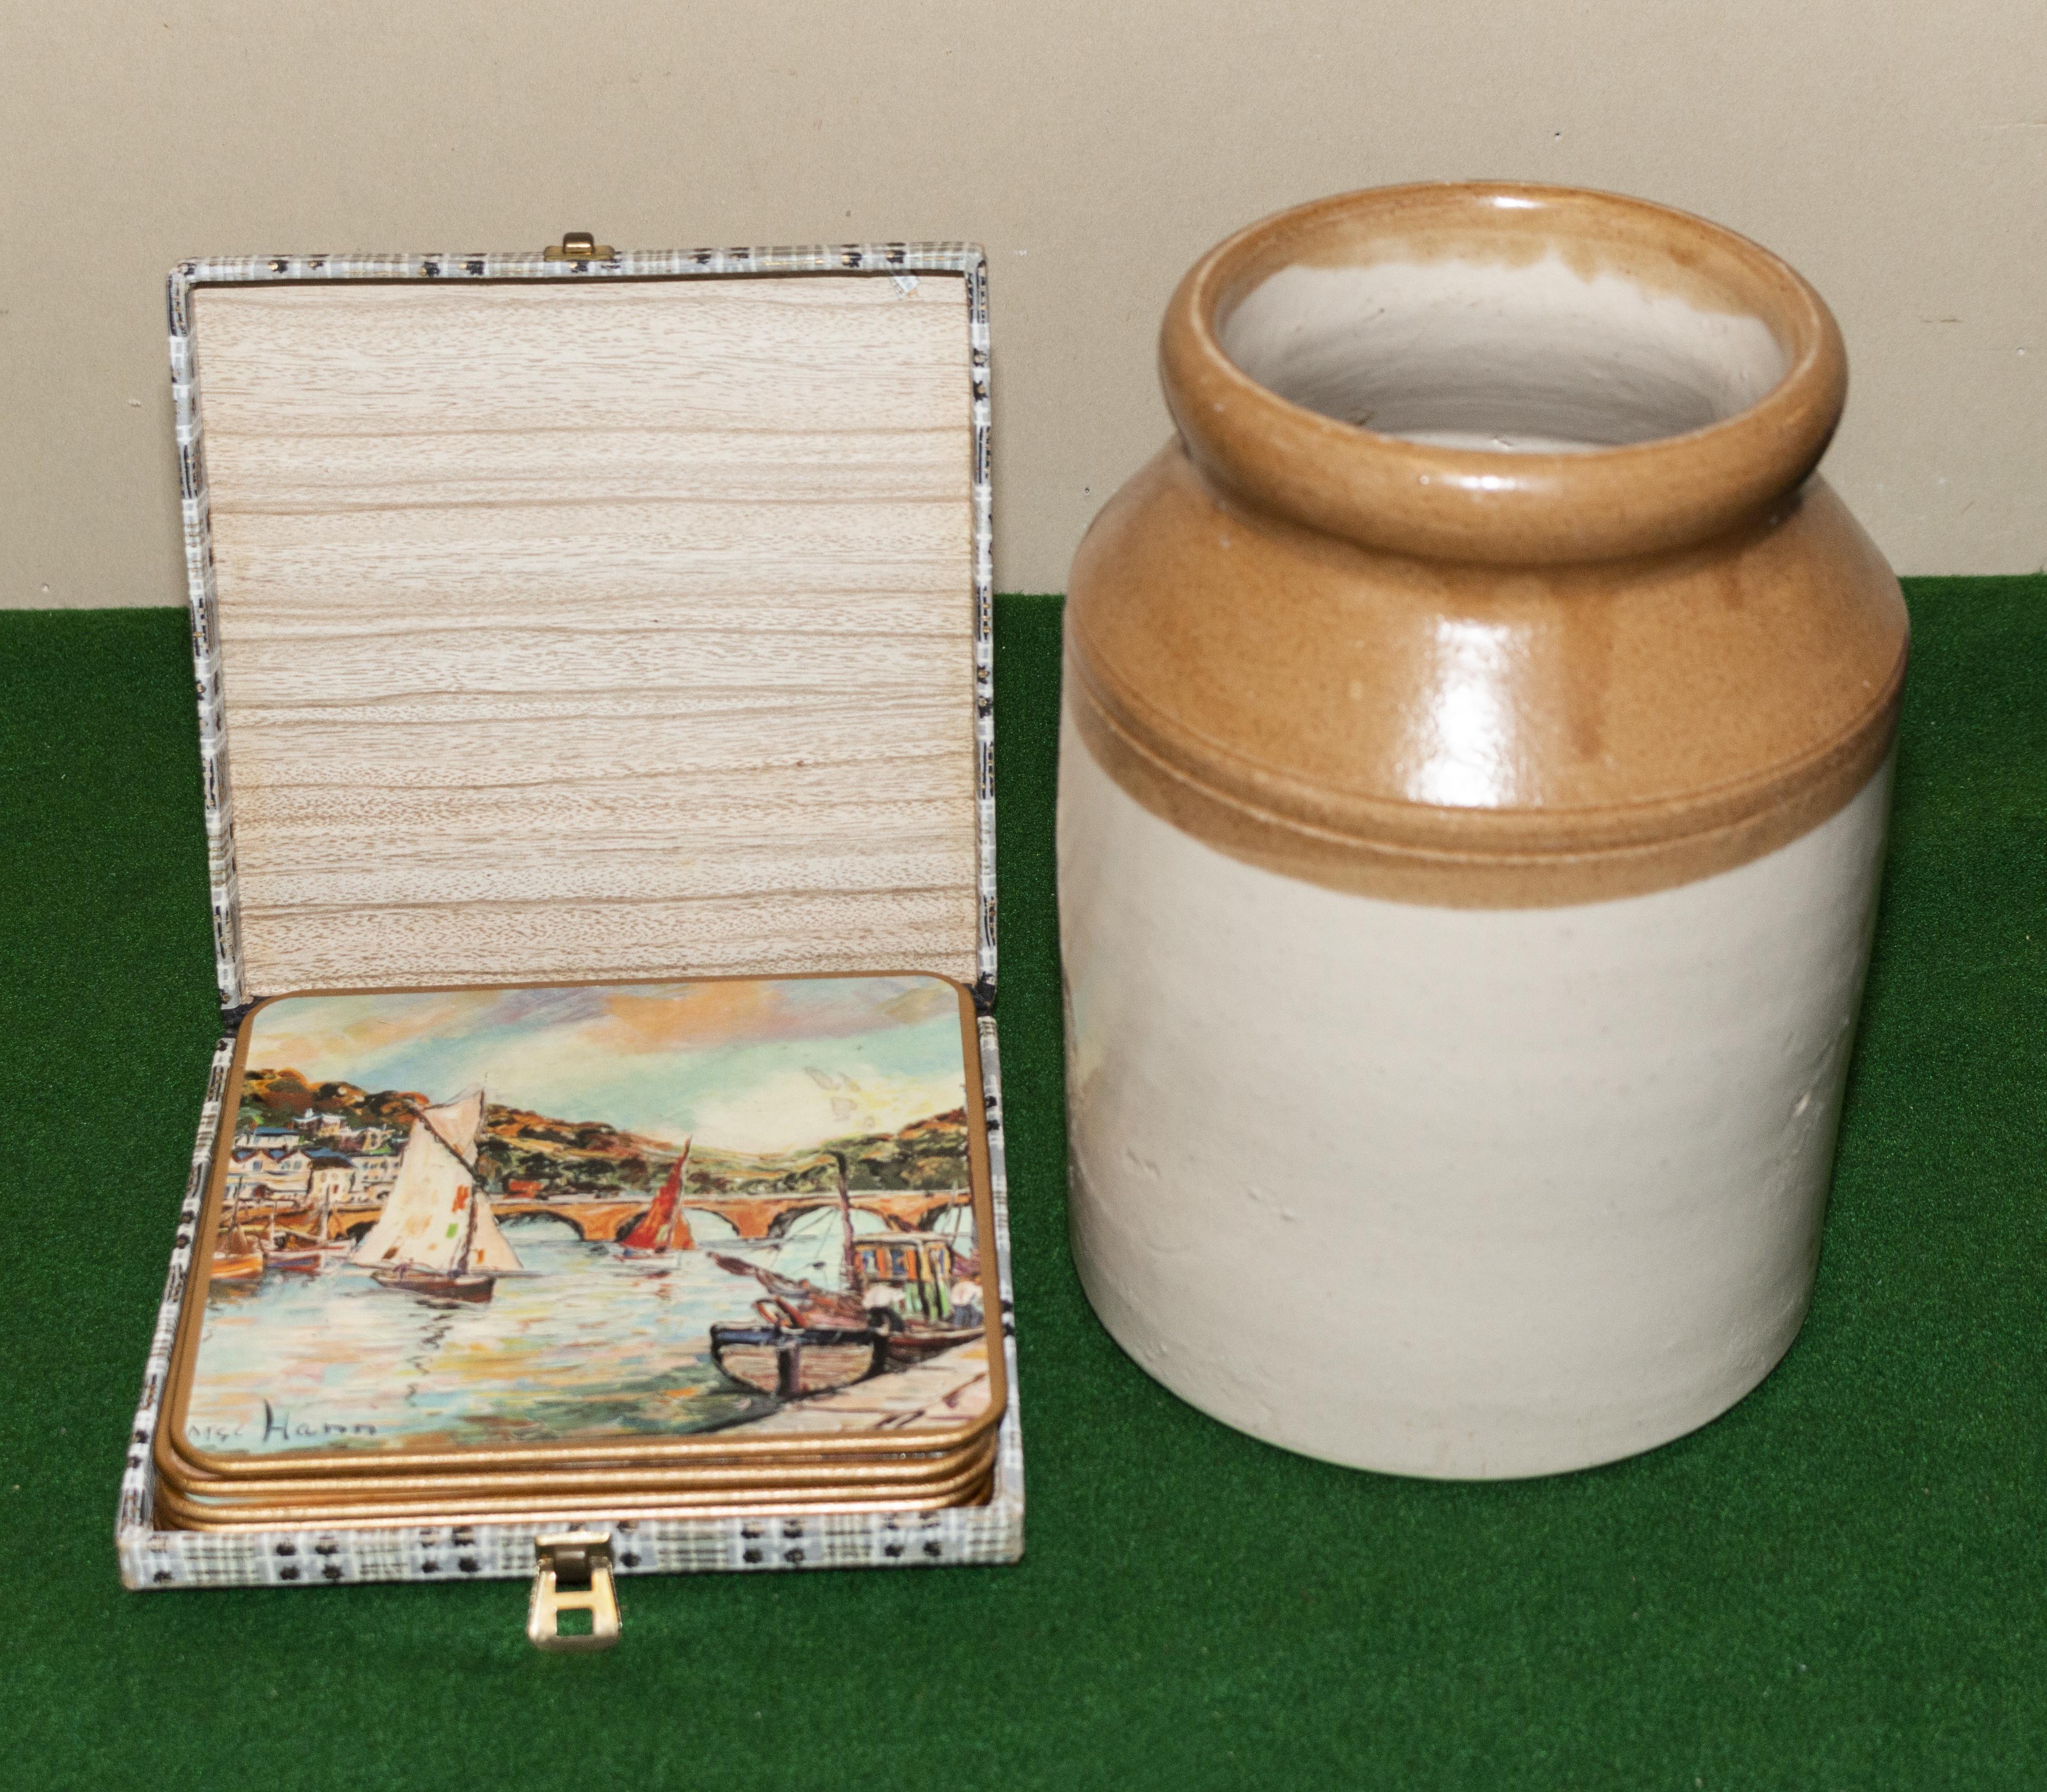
pixel 1527 357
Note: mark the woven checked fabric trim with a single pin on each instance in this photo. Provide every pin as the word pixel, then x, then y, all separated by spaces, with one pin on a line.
pixel 900 259
pixel 133 1517
pixel 984 623
pixel 970 1535
pixel 206 653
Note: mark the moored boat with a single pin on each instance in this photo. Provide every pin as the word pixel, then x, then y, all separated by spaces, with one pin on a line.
pixel 921 1292
pixel 790 1361
pixel 307 1253
pixel 811 1340
pixel 237 1257
pixel 299 1253
pixel 898 1294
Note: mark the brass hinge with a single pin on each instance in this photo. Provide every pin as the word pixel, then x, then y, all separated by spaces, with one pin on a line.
pixel 572 1573
pixel 580 246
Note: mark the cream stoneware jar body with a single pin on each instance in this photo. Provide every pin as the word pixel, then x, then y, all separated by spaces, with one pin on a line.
pixel 1473 780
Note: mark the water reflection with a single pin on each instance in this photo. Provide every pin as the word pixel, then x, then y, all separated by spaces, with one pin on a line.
pixel 594 1345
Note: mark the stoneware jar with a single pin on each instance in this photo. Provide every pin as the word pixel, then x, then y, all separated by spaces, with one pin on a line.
pixel 1473 780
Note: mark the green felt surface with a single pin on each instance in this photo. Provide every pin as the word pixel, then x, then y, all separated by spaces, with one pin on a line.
pixel 1839 1585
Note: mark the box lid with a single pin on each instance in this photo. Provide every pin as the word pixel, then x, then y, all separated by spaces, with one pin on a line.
pixel 615 618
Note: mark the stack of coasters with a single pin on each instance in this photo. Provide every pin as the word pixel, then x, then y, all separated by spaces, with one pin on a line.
pixel 711 1248
pixel 594 671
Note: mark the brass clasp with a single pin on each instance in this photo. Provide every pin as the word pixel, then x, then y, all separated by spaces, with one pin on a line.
pixel 572 1573
pixel 580 246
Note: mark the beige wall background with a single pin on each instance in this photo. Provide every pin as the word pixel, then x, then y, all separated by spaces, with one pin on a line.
pixel 1896 153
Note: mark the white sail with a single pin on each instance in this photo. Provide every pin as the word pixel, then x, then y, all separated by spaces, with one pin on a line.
pixel 437 1217
pixel 489 1248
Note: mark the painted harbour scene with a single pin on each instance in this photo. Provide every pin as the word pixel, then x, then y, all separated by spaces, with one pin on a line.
pixel 496 1218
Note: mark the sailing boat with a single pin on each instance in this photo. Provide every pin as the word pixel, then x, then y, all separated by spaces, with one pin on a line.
pixel 437 1235
pixel 655 1234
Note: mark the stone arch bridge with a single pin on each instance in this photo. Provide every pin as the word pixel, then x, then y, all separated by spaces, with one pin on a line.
pixel 605 1219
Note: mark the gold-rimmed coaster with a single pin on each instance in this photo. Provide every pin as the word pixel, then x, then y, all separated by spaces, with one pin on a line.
pixel 457 1515
pixel 710 1242
pixel 965 1483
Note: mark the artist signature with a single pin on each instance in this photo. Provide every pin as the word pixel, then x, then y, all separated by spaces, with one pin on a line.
pixel 282 1425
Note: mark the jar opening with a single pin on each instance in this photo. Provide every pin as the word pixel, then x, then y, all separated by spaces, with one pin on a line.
pixel 1528 357
pixel 1501 374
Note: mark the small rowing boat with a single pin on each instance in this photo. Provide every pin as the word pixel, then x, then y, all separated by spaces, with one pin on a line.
pixel 790 1361
pixel 237 1257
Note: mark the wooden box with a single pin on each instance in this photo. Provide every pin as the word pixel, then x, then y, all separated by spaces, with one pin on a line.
pixel 579 616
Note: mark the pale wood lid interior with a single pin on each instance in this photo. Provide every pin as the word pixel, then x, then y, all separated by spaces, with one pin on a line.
pixel 579 630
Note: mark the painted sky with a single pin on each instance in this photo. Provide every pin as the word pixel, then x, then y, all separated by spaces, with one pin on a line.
pixel 748 1065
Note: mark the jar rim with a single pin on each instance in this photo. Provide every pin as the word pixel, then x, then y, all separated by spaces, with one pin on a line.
pixel 1395 494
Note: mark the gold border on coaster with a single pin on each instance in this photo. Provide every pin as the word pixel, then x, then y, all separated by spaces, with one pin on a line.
pixel 911 1476
pixel 970 1487
pixel 907 1474
pixel 580 1514
pixel 177 1462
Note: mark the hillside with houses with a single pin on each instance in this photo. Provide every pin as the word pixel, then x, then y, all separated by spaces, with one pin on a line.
pixel 299 1142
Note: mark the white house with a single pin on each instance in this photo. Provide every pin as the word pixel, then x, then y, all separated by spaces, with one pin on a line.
pixel 280 1177
pixel 375 1172
pixel 330 1179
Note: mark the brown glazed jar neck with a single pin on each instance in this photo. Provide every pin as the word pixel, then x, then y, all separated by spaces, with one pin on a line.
pixel 1412 669
pixel 1391 495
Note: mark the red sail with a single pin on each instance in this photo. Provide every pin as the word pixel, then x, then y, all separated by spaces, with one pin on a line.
pixel 659 1227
